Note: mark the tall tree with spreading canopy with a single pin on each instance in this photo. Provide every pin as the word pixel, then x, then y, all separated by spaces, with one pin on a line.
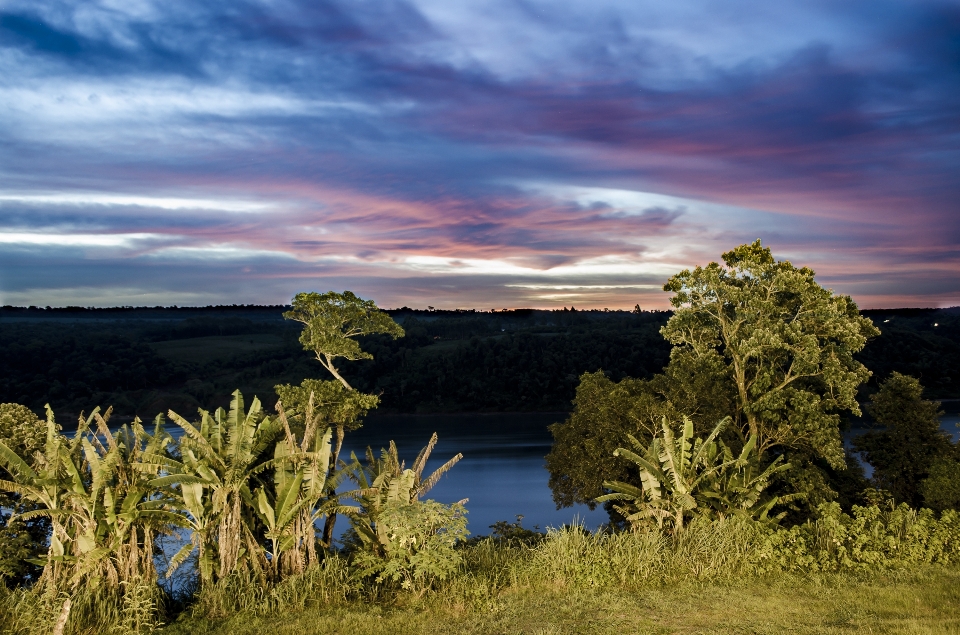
pixel 331 323
pixel 787 344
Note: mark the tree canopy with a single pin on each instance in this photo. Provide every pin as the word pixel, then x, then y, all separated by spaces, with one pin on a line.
pixel 787 343
pixel 332 322
pixel 909 440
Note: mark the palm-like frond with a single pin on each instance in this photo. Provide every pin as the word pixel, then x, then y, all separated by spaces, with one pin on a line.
pixel 682 476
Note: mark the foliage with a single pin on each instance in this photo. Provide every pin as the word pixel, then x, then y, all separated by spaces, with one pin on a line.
pixel 332 403
pixel 941 489
pixel 787 342
pixel 917 342
pixel 515 534
pixel 20 540
pixel 95 490
pixel 222 474
pixel 604 414
pixel 417 540
pixel 332 321
pixel 871 539
pixel 449 362
pixel 607 413
pixel 909 441
pixel 683 478
pixel 387 482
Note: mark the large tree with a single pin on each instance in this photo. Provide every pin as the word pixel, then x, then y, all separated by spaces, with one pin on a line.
pixel 332 322
pixel 787 344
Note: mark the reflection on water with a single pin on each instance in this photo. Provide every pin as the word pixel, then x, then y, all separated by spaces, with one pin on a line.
pixel 502 471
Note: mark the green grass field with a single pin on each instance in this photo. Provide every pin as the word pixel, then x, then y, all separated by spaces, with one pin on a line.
pixel 924 601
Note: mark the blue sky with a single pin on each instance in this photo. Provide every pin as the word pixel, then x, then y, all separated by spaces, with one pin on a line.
pixel 473 154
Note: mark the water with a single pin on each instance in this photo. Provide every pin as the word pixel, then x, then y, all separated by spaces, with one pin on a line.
pixel 502 471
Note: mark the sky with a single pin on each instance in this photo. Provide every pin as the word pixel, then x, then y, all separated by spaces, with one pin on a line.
pixel 474 154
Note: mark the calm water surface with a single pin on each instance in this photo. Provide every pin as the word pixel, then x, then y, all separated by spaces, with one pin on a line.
pixel 502 471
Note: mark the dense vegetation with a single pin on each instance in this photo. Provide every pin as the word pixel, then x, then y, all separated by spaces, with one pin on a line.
pixel 720 462
pixel 145 361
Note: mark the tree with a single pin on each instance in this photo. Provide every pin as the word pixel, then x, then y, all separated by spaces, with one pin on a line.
pixel 331 323
pixel 607 413
pixel 786 342
pixel 20 541
pixel 219 459
pixel 910 440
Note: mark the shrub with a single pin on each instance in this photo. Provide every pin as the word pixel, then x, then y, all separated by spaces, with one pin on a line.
pixel 419 547
pixel 941 488
pixel 870 539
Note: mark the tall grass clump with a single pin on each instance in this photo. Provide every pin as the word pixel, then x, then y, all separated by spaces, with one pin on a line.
pixel 138 606
pixel 327 583
pixel 705 550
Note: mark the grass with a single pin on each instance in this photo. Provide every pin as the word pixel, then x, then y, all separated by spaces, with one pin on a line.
pixel 925 601
pixel 578 582
pixel 704 580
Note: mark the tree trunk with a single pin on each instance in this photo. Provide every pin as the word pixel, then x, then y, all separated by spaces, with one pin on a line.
pixel 328 525
pixel 328 364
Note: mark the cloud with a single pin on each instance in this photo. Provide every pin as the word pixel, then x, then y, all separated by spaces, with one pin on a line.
pixel 474 151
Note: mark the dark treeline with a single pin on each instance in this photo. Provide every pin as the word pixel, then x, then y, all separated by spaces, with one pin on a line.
pixel 144 361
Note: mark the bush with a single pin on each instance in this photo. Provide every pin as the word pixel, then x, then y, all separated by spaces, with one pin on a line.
pixel 941 488
pixel 419 551
pixel 870 540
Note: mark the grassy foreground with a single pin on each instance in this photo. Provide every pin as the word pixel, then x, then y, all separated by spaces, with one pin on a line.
pixel 925 600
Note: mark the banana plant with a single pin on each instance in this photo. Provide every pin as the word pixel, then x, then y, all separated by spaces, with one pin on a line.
pixel 218 462
pixel 95 489
pixel 299 494
pixel 387 481
pixel 681 477
pixel 739 489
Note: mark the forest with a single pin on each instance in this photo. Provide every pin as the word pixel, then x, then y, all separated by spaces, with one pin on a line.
pixel 711 435
pixel 144 361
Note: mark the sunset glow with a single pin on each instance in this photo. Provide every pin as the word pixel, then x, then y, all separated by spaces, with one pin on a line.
pixel 478 155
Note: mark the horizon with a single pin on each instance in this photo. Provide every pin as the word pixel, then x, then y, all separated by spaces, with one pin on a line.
pixel 466 310
pixel 492 152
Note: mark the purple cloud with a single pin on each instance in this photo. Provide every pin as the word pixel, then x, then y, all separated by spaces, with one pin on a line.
pixel 425 153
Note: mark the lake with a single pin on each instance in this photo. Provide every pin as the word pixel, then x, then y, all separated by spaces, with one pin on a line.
pixel 502 471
